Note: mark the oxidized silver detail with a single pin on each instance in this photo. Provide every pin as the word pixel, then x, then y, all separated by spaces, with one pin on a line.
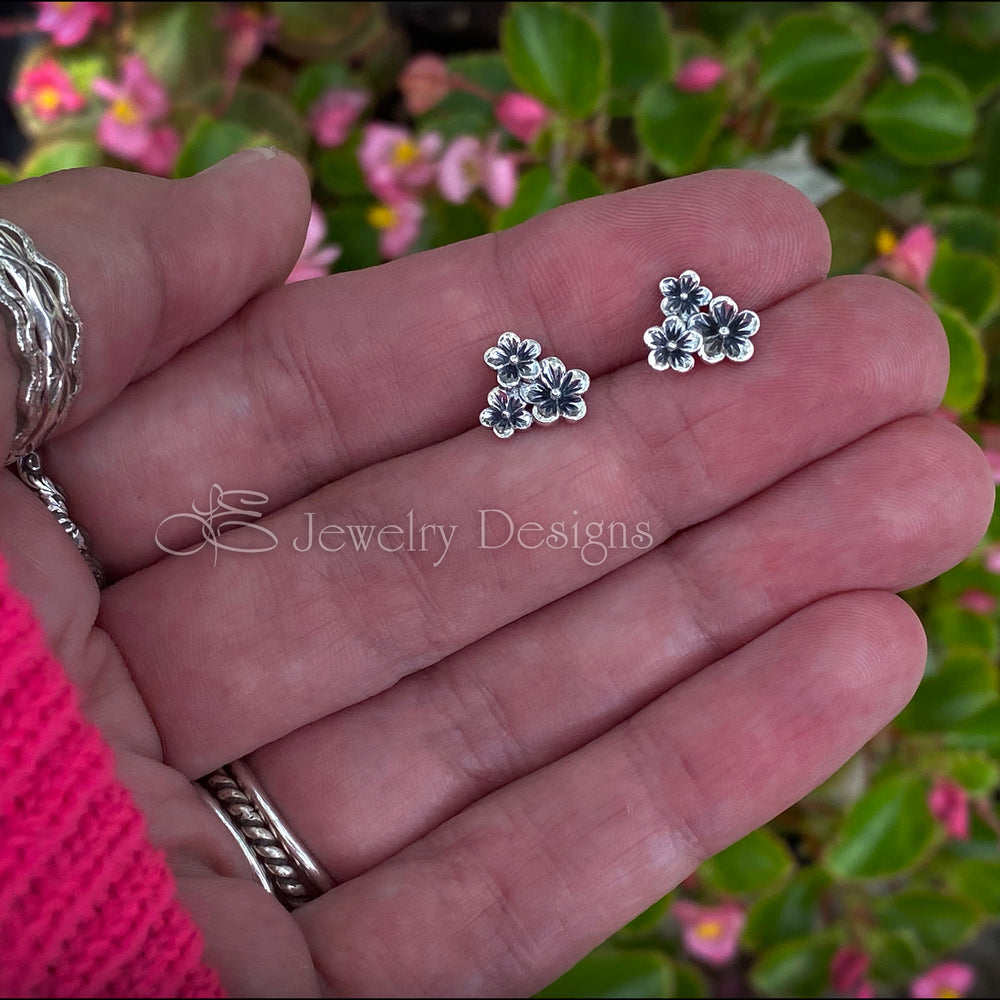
pixel 672 345
pixel 505 413
pixel 684 296
pixel 514 360
pixel 726 331
pixel 45 335
pixel 29 470
pixel 557 392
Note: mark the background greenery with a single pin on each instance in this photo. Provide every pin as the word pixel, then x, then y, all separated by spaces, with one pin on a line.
pixel 862 862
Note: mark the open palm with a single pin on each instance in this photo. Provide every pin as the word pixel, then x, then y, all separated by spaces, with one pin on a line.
pixel 502 752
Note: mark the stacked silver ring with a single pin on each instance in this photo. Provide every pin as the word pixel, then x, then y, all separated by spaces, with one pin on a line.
pixel 276 856
pixel 45 334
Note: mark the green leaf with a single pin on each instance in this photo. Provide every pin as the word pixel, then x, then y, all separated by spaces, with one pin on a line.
pixel 978 69
pixel 649 919
pixel 798 968
pixel 676 128
pixel 485 69
pixel 690 982
pixel 939 923
pixel 348 226
pixel 978 774
pixel 316 79
pixel 453 223
pixel 879 176
pixel 789 913
pixel 8 174
pixel 968 228
pixel 264 112
pixel 327 30
pixel 811 58
pixel 556 54
pixel 967 281
pixel 967 375
pixel 752 864
pixel 963 684
pixel 609 972
pixel 339 171
pixel 209 142
pixel 181 44
pixel 895 957
pixel 637 38
pixel 538 191
pixel 954 628
pixel 62 155
pixel 979 881
pixel 979 730
pixel 887 830
pixel 988 160
pixel 853 221
pixel 928 121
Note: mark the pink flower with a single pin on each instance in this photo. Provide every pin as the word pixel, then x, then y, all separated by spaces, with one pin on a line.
pixel 315 260
pixel 333 114
pixel 978 601
pixel 991 559
pixel 910 258
pixel 848 969
pixel 398 223
pixel 394 163
pixel 949 805
pixel 468 164
pixel 865 991
pixel 521 115
pixel 993 457
pixel 698 74
pixel 710 933
pixel 902 61
pixel 949 979
pixel 48 91
pixel 126 129
pixel 70 23
pixel 249 31
pixel 424 82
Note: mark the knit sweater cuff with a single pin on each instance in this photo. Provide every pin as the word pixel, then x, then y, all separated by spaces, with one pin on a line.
pixel 87 906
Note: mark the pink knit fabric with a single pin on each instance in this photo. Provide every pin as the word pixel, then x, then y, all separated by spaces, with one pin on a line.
pixel 87 905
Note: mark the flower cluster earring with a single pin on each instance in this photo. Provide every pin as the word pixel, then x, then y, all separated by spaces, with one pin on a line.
pixel 713 327
pixel 523 382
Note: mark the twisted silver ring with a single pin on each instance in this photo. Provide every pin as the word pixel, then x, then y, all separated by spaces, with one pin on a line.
pixel 45 337
pixel 277 857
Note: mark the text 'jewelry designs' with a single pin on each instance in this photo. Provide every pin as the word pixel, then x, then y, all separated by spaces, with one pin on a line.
pixel 547 387
pixel 713 327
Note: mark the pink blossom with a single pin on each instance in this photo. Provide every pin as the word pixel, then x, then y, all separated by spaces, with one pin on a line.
pixel 865 991
pixel 848 969
pixel 521 115
pixel 249 31
pixel 398 223
pixel 949 805
pixel 333 114
pixel 699 74
pixel 396 164
pixel 468 164
pixel 710 933
pixel 424 83
pixel 991 559
pixel 131 127
pixel 910 258
pixel 315 260
pixel 978 601
pixel 949 979
pixel 902 61
pixel 48 91
pixel 70 23
pixel 993 457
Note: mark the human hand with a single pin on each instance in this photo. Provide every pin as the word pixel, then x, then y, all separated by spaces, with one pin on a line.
pixel 505 756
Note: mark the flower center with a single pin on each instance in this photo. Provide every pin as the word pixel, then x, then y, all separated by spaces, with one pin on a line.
pixel 64 8
pixel 125 111
pixel 47 99
pixel 514 359
pixel 885 242
pixel 724 331
pixel 684 296
pixel 382 216
pixel 946 991
pixel 708 930
pixel 405 153
pixel 671 345
pixel 556 393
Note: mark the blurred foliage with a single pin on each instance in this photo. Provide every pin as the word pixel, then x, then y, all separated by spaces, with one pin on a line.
pixel 888 116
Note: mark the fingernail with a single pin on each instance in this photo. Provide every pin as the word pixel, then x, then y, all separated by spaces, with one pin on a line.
pixel 246 156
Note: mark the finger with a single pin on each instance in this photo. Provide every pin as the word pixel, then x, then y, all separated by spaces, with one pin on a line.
pixel 526 881
pixel 328 628
pixel 153 264
pixel 326 377
pixel 889 512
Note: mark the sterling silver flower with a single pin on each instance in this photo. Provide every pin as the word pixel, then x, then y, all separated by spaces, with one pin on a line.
pixel 672 345
pixel 515 360
pixel 557 392
pixel 505 413
pixel 684 296
pixel 725 330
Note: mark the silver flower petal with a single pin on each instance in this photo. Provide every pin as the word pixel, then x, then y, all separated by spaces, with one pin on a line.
pixel 738 348
pixel 573 409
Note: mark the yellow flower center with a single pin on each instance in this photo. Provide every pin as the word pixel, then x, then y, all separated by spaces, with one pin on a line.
pixel 63 8
pixel 405 153
pixel 125 111
pixel 900 43
pixel 885 242
pixel 946 991
pixel 708 930
pixel 47 99
pixel 382 216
